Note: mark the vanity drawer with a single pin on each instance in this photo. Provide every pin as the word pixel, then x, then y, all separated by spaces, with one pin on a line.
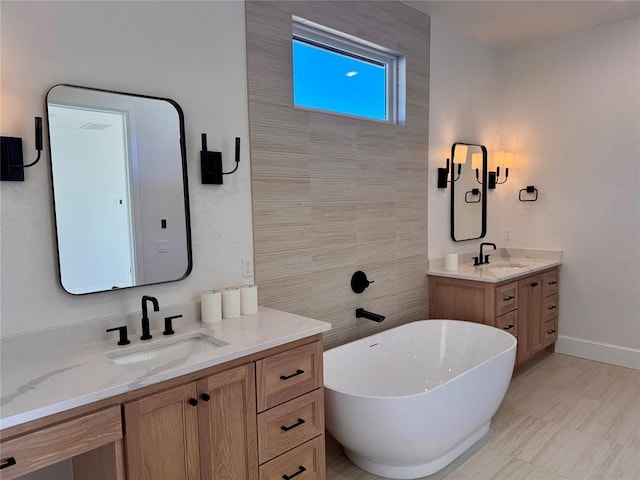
pixel 550 283
pixel 550 332
pixel 506 298
pixel 305 462
pixel 41 448
pixel 290 424
pixel 508 322
pixel 288 375
pixel 550 308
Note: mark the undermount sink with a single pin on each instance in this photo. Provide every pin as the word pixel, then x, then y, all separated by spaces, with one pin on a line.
pixel 504 267
pixel 166 350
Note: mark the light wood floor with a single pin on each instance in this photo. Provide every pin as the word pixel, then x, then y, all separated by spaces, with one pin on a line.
pixel 562 418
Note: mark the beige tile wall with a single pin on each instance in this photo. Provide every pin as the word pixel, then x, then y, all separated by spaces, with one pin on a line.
pixel 334 194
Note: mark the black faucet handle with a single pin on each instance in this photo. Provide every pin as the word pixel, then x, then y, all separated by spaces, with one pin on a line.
pixel 168 327
pixel 476 262
pixel 486 258
pixel 124 340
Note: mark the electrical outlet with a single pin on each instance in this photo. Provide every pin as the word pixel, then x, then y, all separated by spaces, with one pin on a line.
pixel 247 267
pixel 163 246
pixel 507 234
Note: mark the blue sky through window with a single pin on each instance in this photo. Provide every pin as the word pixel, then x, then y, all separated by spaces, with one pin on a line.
pixel 327 80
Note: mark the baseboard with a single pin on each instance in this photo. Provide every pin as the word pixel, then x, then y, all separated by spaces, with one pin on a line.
pixel 600 352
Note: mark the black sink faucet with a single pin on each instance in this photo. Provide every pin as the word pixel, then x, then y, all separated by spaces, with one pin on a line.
pixel 482 259
pixel 146 335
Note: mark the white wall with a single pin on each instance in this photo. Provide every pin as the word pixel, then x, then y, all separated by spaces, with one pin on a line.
pixel 571 112
pixel 464 106
pixel 192 52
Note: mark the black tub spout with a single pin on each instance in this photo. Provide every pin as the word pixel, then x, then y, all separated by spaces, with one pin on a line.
pixel 362 313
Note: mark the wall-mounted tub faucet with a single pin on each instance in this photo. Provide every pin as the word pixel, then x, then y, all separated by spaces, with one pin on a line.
pixel 482 259
pixel 146 335
pixel 362 313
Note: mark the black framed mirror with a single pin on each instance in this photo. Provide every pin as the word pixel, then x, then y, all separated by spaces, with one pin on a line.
pixel 120 192
pixel 468 191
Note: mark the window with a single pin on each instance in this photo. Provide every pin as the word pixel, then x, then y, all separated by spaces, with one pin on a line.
pixel 343 75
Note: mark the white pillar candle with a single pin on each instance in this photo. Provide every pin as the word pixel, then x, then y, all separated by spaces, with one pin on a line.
pixel 249 299
pixel 231 302
pixel 211 306
pixel 451 262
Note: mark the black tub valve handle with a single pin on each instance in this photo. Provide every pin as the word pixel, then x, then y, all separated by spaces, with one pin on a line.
pixel 359 282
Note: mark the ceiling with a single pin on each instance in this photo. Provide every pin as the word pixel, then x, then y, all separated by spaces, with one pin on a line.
pixel 516 22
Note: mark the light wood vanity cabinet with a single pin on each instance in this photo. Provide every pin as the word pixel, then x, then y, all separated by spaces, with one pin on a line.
pixel 257 417
pixel 205 429
pixel 291 414
pixel 233 425
pixel 526 307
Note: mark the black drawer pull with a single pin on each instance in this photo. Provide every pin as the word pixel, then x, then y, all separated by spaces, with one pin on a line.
pixel 287 377
pixel 297 424
pixel 205 397
pixel 193 402
pixel 551 307
pixel 10 461
pixel 301 469
pixel 551 332
pixel 507 327
pixel 552 283
pixel 510 297
pixel 534 284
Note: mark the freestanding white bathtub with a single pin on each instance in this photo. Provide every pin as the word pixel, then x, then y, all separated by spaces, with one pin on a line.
pixel 408 401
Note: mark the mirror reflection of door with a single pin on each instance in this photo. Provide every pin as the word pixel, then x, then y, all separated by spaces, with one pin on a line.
pixel 93 183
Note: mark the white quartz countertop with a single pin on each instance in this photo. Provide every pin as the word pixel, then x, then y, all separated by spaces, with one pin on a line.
pixel 36 385
pixel 506 265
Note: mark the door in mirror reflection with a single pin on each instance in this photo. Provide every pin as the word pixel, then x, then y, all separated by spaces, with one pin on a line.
pixel 120 191
pixel 468 191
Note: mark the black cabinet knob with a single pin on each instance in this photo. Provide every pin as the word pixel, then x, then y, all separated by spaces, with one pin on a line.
pixel 205 397
pixel 193 402
pixel 534 284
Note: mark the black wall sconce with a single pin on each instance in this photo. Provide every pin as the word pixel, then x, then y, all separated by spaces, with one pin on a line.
pixel 11 164
pixel 211 163
pixel 443 175
pixel 459 153
pixel 500 159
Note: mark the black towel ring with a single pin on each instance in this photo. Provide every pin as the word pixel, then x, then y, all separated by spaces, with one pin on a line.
pixel 531 190
pixel 473 192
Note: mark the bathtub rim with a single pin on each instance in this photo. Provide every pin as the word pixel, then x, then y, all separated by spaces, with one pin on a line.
pixel 395 397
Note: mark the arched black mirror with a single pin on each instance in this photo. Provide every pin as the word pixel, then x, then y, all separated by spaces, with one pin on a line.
pixel 468 191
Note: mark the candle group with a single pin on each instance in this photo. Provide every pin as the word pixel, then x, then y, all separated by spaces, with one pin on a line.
pixel 230 302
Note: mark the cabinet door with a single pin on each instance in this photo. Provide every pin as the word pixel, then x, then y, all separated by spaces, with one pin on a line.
pixel 162 436
pixel 530 317
pixel 227 425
